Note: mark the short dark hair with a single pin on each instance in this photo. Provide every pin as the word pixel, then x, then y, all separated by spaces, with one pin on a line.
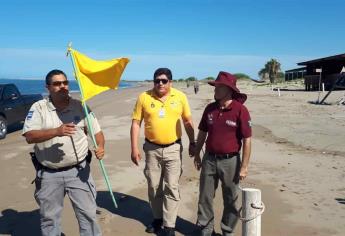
pixel 163 71
pixel 51 73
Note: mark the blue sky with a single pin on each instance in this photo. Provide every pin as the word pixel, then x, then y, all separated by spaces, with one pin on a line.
pixel 192 37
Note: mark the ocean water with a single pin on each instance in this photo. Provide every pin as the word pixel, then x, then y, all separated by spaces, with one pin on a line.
pixel 38 86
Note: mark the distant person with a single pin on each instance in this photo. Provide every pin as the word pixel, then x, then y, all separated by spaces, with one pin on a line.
pixel 188 83
pixel 196 86
pixel 161 109
pixel 226 125
pixel 57 127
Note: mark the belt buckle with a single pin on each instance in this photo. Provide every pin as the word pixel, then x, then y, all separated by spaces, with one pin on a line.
pixel 219 156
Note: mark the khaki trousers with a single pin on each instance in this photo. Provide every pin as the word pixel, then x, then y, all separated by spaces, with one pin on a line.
pixel 163 168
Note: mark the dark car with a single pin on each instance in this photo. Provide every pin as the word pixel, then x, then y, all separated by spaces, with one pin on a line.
pixel 13 106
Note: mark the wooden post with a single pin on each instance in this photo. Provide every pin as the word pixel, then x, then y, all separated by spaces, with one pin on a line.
pixel 252 208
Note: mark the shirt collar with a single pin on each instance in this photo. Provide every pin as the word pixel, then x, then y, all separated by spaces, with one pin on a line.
pixel 51 106
pixel 172 93
pixel 228 108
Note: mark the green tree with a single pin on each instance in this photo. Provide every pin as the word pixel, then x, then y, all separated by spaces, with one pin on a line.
pixel 242 76
pixel 192 78
pixel 281 75
pixel 209 78
pixel 263 74
pixel 271 70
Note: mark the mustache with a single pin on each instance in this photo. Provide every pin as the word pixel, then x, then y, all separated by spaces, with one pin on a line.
pixel 63 92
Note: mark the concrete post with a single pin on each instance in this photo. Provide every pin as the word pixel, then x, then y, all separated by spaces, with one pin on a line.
pixel 252 208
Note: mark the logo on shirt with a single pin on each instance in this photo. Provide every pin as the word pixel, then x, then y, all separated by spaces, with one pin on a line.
pixel 152 105
pixel 230 123
pixel 173 104
pixel 29 115
pixel 250 123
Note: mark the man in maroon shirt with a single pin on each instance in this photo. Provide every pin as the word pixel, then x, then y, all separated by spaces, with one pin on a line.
pixel 226 125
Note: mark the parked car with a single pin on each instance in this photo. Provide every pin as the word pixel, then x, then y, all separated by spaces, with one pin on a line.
pixel 13 106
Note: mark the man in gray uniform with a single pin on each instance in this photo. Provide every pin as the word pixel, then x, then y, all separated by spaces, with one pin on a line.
pixel 58 128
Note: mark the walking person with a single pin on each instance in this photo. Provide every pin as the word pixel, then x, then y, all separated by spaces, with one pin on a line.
pixel 226 127
pixel 196 86
pixel 161 109
pixel 57 126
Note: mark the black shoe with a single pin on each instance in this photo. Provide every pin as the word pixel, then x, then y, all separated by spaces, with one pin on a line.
pixel 168 231
pixel 155 226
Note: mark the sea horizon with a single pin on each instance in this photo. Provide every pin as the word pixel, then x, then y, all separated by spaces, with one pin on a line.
pixel 37 86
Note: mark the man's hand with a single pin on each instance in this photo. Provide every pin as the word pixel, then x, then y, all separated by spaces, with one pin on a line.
pixel 135 156
pixel 191 149
pixel 243 173
pixel 245 158
pixel 66 130
pixel 197 161
pixel 99 152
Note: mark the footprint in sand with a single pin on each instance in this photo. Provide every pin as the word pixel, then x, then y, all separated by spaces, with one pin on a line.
pixel 104 218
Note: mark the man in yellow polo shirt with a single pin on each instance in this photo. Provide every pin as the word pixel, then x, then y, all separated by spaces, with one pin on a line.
pixel 161 109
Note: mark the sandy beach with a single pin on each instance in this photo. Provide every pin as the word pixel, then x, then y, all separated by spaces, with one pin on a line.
pixel 297 161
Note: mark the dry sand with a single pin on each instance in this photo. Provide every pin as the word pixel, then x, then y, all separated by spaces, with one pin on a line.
pixel 297 162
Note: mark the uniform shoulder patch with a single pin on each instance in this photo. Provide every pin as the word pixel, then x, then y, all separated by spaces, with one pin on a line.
pixel 29 115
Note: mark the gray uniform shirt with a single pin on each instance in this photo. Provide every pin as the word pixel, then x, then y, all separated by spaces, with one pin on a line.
pixel 60 151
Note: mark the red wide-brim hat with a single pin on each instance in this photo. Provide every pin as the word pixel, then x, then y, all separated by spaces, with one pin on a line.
pixel 229 80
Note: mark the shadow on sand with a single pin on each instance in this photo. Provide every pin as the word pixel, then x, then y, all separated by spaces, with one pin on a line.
pixel 17 223
pixel 139 210
pixel 290 89
pixel 340 200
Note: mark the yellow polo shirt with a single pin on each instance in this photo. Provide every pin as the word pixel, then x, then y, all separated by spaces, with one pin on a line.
pixel 162 119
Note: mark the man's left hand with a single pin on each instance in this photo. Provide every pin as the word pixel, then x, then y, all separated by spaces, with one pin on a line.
pixel 99 152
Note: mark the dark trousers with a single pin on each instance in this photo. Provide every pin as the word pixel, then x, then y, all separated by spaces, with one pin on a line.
pixel 227 171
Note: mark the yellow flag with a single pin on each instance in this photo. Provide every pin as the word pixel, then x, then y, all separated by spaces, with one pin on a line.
pixel 97 76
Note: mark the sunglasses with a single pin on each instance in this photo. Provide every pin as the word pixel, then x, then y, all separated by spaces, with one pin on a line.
pixel 59 83
pixel 158 81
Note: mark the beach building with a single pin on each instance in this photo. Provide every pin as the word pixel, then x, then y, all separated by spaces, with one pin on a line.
pixel 326 70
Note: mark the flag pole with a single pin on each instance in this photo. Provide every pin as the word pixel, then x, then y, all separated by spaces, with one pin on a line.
pixel 89 123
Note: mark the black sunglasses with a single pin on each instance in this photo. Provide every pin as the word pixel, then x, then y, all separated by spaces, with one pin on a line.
pixel 158 81
pixel 58 83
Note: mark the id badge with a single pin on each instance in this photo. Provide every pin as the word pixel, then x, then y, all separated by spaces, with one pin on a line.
pixel 161 113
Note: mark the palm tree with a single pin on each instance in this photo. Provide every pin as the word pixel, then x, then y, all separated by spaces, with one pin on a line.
pixel 272 68
pixel 263 74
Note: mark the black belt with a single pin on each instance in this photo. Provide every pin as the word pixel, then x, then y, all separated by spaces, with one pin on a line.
pixel 224 155
pixel 164 145
pixel 62 168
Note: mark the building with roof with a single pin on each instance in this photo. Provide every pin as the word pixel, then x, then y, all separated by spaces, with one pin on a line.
pixel 326 70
